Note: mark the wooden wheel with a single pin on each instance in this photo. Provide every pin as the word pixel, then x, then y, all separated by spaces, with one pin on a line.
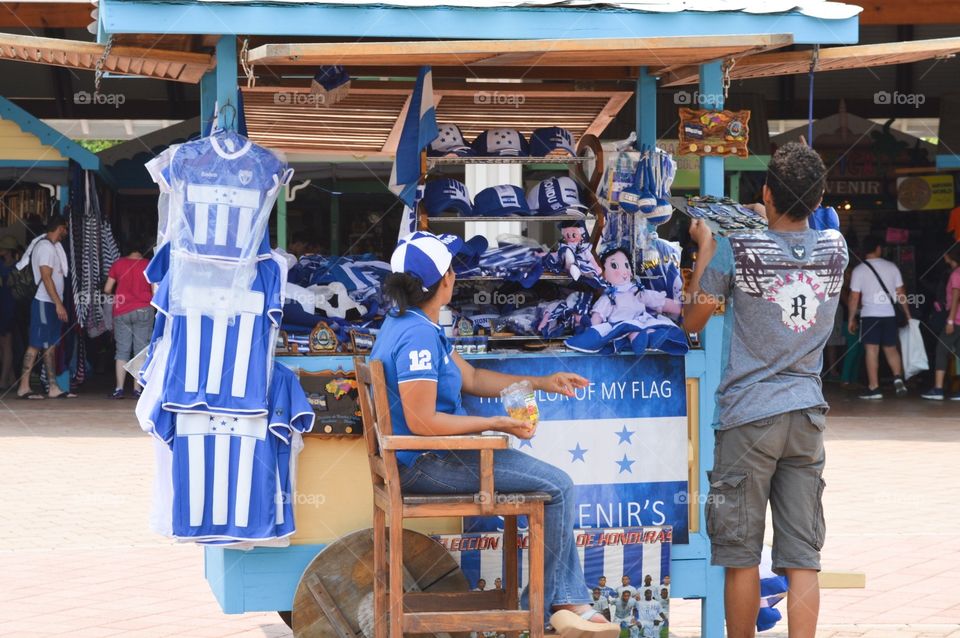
pixel 337 587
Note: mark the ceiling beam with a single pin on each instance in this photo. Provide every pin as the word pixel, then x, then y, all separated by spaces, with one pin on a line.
pixel 34 15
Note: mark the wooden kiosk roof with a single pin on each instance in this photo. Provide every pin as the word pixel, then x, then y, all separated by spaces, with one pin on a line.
pixel 829 59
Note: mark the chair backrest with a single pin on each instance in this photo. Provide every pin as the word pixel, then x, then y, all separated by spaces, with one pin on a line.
pixel 375 409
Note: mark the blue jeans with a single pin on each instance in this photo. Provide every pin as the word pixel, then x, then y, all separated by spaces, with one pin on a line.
pixel 458 472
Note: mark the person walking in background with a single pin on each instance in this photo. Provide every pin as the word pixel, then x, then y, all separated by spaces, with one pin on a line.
pixel 132 313
pixel 870 286
pixel 853 356
pixel 8 247
pixel 48 260
pixel 948 343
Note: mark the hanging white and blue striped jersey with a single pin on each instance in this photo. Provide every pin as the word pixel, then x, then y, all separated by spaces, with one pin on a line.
pixel 219 359
pixel 232 475
pixel 222 191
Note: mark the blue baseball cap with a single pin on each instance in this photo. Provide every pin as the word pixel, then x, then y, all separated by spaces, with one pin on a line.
pixel 425 256
pixel 468 256
pixel 505 199
pixel 449 142
pixel 550 140
pixel 501 142
pixel 446 194
pixel 556 196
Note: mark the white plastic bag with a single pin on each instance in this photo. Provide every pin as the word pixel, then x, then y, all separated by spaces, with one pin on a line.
pixel 913 350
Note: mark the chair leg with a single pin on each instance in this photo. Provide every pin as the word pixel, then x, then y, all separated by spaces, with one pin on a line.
pixel 380 572
pixel 396 575
pixel 536 573
pixel 510 583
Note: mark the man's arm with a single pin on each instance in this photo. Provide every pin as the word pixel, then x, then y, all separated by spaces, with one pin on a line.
pixel 902 300
pixel 853 304
pixel 954 302
pixel 698 307
pixel 46 278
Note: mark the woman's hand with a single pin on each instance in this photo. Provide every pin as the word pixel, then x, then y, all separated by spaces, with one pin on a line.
pixel 562 383
pixel 516 427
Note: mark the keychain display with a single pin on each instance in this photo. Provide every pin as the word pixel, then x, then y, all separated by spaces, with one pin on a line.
pixel 723 215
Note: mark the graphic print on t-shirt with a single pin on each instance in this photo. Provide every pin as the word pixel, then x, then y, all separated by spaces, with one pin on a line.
pixel 767 271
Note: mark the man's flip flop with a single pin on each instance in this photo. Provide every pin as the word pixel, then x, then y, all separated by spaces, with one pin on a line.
pixel 65 395
pixel 31 396
pixel 570 625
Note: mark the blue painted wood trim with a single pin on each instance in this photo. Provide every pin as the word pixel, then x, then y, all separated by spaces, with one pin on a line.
pixel 208 97
pixel 646 94
pixel 711 94
pixel 226 74
pixel 945 162
pixel 48 136
pixel 34 163
pixel 711 610
pixel 262 579
pixel 377 21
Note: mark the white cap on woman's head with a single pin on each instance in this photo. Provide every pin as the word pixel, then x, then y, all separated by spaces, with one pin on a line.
pixel 425 256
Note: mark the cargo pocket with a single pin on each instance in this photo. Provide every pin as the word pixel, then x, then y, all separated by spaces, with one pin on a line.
pixel 820 521
pixel 726 507
pixel 818 418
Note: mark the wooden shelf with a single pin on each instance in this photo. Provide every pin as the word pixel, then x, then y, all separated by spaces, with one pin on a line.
pixel 483 278
pixel 560 162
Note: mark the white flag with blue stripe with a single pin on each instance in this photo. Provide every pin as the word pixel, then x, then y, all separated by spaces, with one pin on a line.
pixel 419 129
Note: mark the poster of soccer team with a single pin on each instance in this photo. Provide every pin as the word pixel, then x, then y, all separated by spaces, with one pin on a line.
pixel 623 441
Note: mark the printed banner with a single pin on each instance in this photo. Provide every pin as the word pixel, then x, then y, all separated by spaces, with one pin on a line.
pixel 925 192
pixel 613 560
pixel 622 439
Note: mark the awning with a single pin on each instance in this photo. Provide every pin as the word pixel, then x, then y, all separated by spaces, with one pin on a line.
pixel 368 121
pixel 828 59
pixel 179 66
pixel 661 54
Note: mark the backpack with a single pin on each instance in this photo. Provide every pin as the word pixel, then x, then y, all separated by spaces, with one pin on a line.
pixel 21 282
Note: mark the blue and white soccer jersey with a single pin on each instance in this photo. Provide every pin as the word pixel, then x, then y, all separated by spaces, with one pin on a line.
pixel 222 191
pixel 232 475
pixel 413 348
pixel 219 358
pixel 648 613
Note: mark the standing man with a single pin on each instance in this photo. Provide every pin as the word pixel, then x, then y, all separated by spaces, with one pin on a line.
pixel 781 287
pixel 608 592
pixel 47 312
pixel 870 285
pixel 625 586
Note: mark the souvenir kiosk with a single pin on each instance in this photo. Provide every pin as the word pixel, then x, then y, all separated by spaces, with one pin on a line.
pixel 333 496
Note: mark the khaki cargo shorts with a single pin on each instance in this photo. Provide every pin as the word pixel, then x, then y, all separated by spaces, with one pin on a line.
pixel 779 459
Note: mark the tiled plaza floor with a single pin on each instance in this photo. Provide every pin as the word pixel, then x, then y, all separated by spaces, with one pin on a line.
pixel 76 558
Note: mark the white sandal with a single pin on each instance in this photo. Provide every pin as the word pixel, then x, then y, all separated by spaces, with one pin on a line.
pixel 572 625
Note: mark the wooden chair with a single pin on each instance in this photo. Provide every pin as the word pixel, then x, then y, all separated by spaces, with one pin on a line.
pixel 496 610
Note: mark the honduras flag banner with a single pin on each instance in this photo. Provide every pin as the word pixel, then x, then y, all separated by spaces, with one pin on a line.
pixel 622 439
pixel 641 554
pixel 419 130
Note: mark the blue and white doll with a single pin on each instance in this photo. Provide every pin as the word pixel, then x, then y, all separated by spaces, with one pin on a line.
pixel 574 254
pixel 626 316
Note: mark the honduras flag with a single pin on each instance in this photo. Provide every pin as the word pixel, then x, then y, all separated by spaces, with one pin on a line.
pixel 419 130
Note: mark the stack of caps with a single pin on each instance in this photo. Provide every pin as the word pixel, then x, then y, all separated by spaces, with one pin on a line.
pixel 551 141
pixel 552 196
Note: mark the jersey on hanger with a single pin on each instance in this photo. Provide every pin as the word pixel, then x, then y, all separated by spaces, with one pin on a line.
pixel 221 347
pixel 232 475
pixel 222 191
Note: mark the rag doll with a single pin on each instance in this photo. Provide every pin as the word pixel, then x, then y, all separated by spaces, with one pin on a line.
pixel 574 254
pixel 626 316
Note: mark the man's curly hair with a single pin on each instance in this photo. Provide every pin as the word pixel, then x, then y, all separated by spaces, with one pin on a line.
pixel 796 178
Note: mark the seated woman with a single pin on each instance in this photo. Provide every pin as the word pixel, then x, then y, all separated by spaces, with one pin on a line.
pixel 425 378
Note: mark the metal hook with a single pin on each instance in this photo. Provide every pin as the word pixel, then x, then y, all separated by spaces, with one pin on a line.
pixel 229 124
pixel 245 64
